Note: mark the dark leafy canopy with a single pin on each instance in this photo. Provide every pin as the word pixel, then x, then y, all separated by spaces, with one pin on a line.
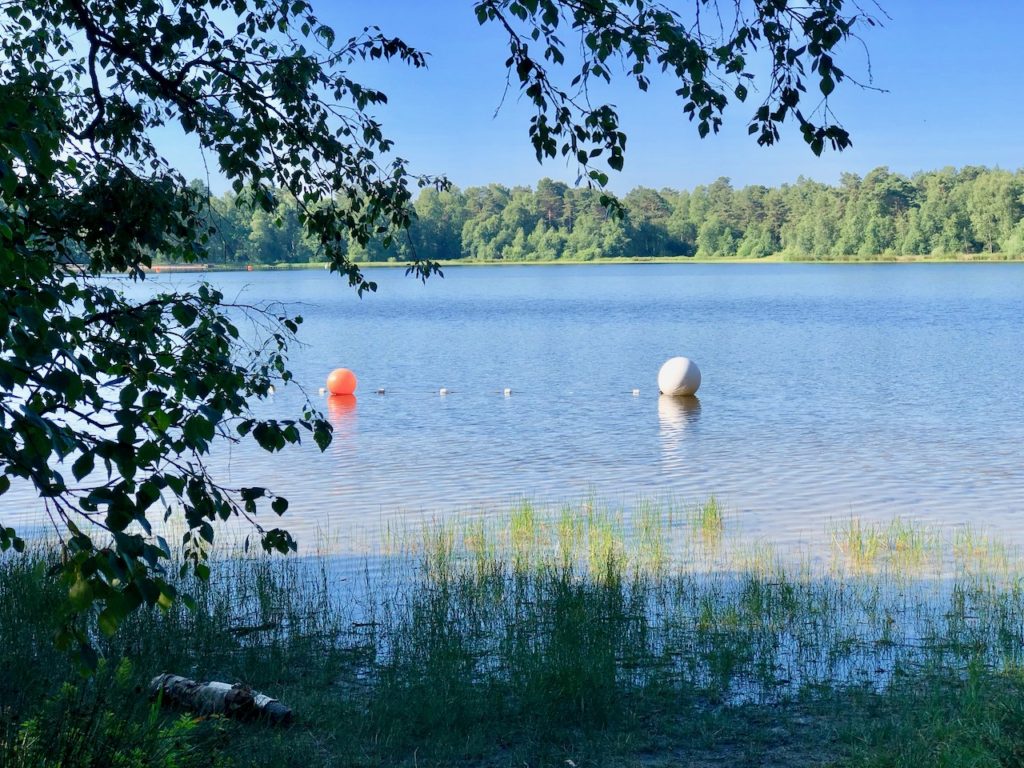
pixel 108 405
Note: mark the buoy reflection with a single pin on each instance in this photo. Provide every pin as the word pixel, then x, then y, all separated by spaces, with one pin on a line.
pixel 676 416
pixel 678 413
pixel 341 410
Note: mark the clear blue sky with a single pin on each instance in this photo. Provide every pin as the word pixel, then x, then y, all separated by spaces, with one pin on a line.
pixel 952 71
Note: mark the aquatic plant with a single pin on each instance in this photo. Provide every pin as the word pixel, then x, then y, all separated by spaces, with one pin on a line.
pixel 548 635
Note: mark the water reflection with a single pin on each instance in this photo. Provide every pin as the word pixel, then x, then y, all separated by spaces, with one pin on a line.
pixel 881 445
pixel 676 416
pixel 341 411
pixel 678 413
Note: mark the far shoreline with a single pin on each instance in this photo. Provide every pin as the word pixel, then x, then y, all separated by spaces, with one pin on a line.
pixel 449 263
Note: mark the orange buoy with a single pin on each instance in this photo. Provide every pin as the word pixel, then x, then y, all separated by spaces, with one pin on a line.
pixel 341 381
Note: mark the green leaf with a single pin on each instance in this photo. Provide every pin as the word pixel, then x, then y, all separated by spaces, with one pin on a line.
pixel 129 394
pixel 185 314
pixel 252 493
pixel 83 465
pixel 322 435
pixel 108 621
pixel 80 595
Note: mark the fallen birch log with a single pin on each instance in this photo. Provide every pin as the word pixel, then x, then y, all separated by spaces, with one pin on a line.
pixel 213 698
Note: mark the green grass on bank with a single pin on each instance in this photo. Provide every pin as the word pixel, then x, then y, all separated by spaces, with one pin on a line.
pixel 773 259
pixel 564 637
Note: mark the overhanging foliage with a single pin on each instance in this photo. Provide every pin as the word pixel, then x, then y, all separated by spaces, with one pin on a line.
pixel 109 405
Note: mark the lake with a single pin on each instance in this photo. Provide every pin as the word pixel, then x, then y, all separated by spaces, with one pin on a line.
pixel 828 391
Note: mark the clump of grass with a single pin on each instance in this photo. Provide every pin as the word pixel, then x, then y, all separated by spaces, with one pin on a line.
pixel 524 533
pixel 100 722
pixel 913 547
pixel 606 546
pixel 438 548
pixel 975 551
pixel 653 527
pixel 974 720
pixel 859 543
pixel 900 547
pixel 569 534
pixel 707 522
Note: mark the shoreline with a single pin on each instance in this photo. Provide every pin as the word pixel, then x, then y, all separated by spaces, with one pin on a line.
pixel 449 263
pixel 555 638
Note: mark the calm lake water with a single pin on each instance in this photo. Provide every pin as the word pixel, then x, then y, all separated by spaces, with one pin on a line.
pixel 828 391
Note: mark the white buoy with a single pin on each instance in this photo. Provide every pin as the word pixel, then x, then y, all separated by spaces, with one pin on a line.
pixel 323 391
pixel 679 376
pixel 442 391
pixel 271 389
pixel 636 393
pixel 508 392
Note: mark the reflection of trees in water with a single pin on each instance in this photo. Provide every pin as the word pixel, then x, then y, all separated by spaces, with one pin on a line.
pixel 676 415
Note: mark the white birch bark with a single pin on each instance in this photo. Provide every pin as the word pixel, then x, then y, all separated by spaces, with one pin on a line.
pixel 210 698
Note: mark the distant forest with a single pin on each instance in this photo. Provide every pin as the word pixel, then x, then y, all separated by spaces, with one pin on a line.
pixel 945 212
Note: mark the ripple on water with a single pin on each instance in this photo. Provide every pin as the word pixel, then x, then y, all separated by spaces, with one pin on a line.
pixel 828 391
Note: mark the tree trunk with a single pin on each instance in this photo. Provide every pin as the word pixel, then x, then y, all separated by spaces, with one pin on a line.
pixel 238 701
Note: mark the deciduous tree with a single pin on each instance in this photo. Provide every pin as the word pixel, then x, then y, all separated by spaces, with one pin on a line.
pixel 109 405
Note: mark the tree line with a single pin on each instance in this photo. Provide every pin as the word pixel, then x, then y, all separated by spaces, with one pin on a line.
pixel 943 212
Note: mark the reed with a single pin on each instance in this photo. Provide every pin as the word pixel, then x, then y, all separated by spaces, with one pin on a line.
pixel 544 636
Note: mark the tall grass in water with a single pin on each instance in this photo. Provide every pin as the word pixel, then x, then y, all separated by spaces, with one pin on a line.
pixel 900 548
pixel 572 635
